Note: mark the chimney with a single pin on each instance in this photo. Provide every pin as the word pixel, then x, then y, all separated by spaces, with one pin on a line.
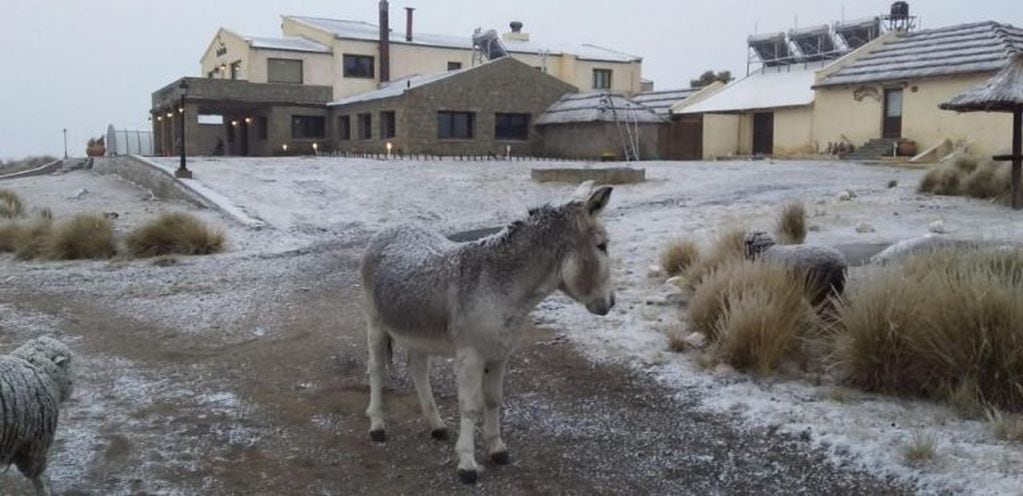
pixel 516 33
pixel 385 43
pixel 408 23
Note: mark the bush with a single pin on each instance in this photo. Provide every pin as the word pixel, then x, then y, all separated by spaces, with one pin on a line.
pixel 9 234
pixel 966 164
pixel 175 233
pixel 730 245
pixel 921 448
pixel 949 181
pixel 10 204
pixel 791 228
pixel 30 240
pixel 990 180
pixel 85 236
pixel 678 256
pixel 944 326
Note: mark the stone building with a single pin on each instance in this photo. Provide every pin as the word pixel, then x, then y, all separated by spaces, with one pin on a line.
pixel 482 110
pixel 600 126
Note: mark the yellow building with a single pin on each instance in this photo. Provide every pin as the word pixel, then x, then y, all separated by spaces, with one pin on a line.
pixel 352 57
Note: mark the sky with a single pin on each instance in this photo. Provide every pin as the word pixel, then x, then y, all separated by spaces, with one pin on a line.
pixel 84 65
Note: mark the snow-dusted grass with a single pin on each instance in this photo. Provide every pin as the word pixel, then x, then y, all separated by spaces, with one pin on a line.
pixel 175 233
pixel 679 255
pixel 10 204
pixel 791 228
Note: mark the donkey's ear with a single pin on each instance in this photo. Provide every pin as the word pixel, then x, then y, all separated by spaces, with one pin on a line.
pixel 583 191
pixel 598 200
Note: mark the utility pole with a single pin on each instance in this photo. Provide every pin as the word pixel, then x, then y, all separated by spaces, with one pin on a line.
pixel 65 142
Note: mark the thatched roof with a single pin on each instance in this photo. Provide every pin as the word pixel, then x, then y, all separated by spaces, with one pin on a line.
pixel 1002 93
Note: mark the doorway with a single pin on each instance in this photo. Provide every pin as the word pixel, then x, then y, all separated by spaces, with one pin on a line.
pixel 763 133
pixel 892 126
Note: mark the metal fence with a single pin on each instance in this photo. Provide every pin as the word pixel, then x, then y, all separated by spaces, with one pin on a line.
pixel 129 142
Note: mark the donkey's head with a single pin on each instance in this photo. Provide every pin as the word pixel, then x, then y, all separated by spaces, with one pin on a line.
pixel 586 268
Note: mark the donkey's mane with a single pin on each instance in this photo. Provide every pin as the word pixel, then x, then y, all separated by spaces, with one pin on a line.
pixel 538 216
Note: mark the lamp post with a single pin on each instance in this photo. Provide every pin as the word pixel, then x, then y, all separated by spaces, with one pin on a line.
pixel 183 171
pixel 65 142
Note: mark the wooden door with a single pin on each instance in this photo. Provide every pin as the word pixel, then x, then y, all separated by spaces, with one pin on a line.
pixel 892 126
pixel 682 138
pixel 763 133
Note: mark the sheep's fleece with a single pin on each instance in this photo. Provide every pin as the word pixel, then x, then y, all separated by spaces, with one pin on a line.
pixel 825 267
pixel 34 380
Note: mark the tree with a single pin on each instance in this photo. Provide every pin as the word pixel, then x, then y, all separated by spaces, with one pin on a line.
pixel 709 77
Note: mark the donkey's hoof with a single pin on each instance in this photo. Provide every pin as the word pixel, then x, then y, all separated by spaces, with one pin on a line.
pixel 468 476
pixel 378 435
pixel 439 434
pixel 500 458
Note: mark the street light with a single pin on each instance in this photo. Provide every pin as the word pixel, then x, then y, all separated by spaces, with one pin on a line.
pixel 65 142
pixel 183 171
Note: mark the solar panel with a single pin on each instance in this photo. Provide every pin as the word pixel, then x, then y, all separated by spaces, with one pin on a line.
pixel 814 43
pixel 772 49
pixel 858 33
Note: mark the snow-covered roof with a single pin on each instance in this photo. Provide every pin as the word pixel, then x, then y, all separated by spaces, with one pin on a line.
pixel 359 30
pixel 1003 92
pixel 661 101
pixel 597 106
pixel 960 49
pixel 398 87
pixel 289 43
pixel 770 87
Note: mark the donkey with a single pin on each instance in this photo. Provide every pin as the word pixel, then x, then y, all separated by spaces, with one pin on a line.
pixel 438 297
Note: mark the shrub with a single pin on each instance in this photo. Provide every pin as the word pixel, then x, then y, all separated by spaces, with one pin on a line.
pixel 30 240
pixel 10 204
pixel 930 180
pixel 9 234
pixel 730 245
pixel 175 233
pixel 678 256
pixel 990 180
pixel 949 181
pixel 1006 427
pixel 921 448
pixel 966 164
pixel 84 236
pixel 791 228
pixel 946 321
pixel 966 399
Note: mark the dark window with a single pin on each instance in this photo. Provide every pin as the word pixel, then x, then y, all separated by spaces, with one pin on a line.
pixel 511 126
pixel 284 71
pixel 344 127
pixel 236 68
pixel 262 128
pixel 388 126
pixel 455 125
pixel 360 66
pixel 602 79
pixel 308 127
pixel 365 126
pixel 230 132
pixel 454 66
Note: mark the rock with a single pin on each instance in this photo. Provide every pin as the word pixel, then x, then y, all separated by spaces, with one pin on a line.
pixel 723 369
pixel 655 271
pixel 111 215
pixel 695 339
pixel 78 194
pixel 864 227
pixel 937 227
pixel 844 196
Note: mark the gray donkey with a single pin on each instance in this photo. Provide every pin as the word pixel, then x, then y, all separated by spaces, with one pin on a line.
pixel 437 297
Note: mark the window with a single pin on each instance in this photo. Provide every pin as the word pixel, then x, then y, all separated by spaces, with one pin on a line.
pixel 210 119
pixel 344 127
pixel 454 66
pixel 284 71
pixel 602 79
pixel 387 125
pixel 455 125
pixel 307 127
pixel 236 69
pixel 365 126
pixel 511 126
pixel 262 128
pixel 360 66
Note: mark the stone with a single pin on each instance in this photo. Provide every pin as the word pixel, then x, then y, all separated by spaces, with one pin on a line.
pixel 864 227
pixel 938 227
pixel 655 271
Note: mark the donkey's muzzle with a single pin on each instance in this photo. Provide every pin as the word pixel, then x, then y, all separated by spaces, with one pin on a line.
pixel 602 306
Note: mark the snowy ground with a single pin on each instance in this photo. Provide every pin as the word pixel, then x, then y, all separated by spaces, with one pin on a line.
pixel 312 203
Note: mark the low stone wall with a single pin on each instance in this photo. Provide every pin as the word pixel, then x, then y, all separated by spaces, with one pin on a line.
pixel 38 171
pixel 163 185
pixel 602 175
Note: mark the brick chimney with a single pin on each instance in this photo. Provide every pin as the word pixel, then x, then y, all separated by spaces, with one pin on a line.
pixel 385 43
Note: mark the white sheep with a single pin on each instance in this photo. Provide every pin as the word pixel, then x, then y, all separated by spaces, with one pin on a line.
pixel 34 380
pixel 825 267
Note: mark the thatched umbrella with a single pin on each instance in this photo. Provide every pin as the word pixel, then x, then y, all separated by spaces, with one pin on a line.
pixel 1002 93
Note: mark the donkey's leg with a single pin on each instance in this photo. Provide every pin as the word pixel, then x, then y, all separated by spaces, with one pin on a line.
pixel 378 341
pixel 493 393
pixel 469 371
pixel 419 366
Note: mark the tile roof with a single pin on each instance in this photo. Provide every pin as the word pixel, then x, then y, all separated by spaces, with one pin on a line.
pixel 359 30
pixel 960 49
pixel 597 106
pixel 661 101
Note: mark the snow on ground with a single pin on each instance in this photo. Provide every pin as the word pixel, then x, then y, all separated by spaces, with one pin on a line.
pixel 307 201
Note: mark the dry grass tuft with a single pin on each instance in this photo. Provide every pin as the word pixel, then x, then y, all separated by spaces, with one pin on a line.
pixel 966 400
pixel 175 233
pixel 791 228
pixel 85 236
pixel 729 246
pixel 922 447
pixel 966 164
pixel 991 180
pixel 30 239
pixel 678 256
pixel 943 322
pixel 949 181
pixel 10 204
pixel 968 177
pixel 9 234
pixel 1006 427
pixel 676 339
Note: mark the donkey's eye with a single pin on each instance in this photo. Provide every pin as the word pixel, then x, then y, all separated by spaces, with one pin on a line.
pixel 602 247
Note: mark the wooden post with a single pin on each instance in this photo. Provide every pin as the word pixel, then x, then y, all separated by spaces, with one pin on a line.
pixel 1017 157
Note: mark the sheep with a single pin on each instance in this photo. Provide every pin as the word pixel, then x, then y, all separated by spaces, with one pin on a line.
pixel 34 381
pixel 825 267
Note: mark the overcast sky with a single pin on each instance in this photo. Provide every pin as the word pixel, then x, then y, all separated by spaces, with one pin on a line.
pixel 83 65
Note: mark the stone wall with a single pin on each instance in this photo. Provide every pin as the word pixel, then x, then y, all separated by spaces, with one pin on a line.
pixel 161 184
pixel 595 139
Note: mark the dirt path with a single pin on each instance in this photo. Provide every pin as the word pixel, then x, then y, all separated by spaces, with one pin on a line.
pixel 269 399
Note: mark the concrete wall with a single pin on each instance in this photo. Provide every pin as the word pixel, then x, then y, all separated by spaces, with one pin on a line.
pixel 163 185
pixel 504 86
pixel 720 135
pixel 793 132
pixel 237 50
pixel 837 112
pixel 732 134
pixel 594 140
